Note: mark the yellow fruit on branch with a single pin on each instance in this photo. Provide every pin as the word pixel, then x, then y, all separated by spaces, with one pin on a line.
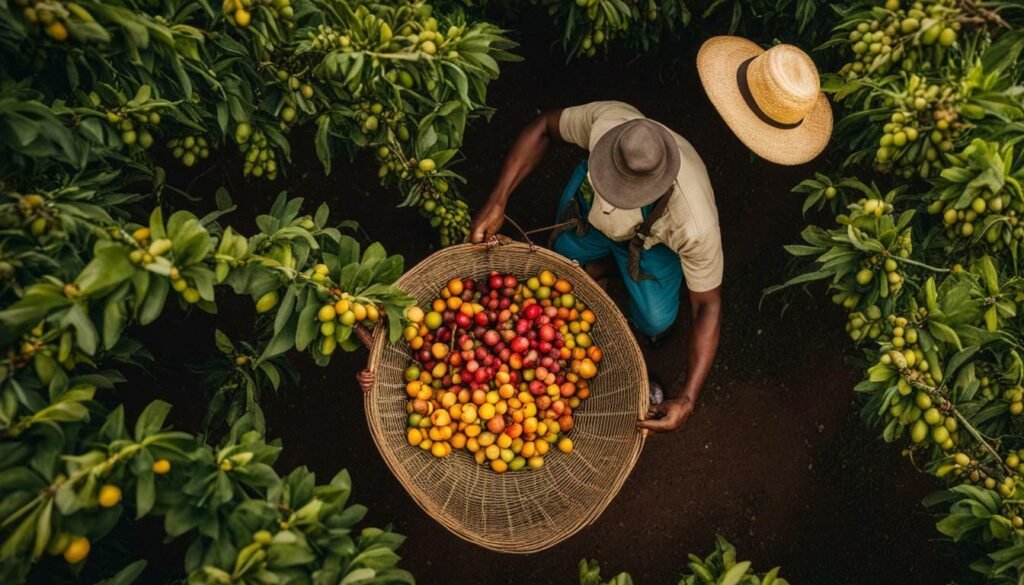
pixel 110 496
pixel 77 550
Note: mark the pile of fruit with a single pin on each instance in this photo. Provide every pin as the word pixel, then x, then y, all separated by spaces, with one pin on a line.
pixel 189 149
pixel 260 159
pixel 896 36
pixel 340 313
pixel 498 368
pixel 980 200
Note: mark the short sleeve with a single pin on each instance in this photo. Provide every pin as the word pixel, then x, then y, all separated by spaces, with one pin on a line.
pixel 584 125
pixel 703 260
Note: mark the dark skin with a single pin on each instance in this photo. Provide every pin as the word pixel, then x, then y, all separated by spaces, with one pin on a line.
pixel 706 307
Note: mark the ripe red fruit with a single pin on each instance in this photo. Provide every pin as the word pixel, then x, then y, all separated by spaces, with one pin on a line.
pixel 464 321
pixel 472 366
pixel 533 311
pixel 495 281
pixel 537 388
pixel 519 345
pixel 491 337
pixel 510 281
pixel 547 333
pixel 481 319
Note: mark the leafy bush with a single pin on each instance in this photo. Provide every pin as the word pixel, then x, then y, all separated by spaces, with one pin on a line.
pixel 930 270
pixel 720 567
pixel 111 80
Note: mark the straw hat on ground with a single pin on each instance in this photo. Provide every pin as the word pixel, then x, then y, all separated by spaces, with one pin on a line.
pixel 771 100
pixel 634 163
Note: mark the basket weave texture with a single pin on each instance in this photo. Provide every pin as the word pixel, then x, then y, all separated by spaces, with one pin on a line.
pixel 529 510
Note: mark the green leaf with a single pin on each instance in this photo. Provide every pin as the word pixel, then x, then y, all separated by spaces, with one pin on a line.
pixel 85 332
pixel 108 268
pixel 152 419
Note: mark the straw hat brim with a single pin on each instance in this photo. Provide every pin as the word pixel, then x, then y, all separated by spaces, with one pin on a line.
pixel 717 63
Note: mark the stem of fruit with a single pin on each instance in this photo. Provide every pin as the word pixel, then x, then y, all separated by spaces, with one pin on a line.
pixel 919 264
pixel 961 419
pixel 981 15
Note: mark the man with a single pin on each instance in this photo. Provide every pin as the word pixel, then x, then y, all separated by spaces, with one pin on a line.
pixel 643 198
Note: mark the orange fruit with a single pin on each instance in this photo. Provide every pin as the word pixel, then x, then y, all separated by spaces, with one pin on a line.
pixel 458 441
pixel 439 306
pixel 455 286
pixel 588 316
pixel 563 286
pixel 161 466
pixel 587 369
pixel 499 466
pixel 440 418
pixel 439 351
pixel 454 303
pixel 595 354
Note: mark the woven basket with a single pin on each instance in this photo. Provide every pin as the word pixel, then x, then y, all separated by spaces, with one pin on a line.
pixel 524 511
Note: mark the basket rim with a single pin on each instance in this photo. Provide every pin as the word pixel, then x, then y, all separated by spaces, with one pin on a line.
pixel 423 499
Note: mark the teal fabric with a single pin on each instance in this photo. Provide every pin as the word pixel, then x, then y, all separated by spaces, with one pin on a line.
pixel 653 302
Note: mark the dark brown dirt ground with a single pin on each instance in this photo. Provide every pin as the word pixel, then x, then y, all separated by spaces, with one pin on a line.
pixel 775 457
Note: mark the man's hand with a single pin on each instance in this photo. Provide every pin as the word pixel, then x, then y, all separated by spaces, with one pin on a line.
pixel 366 379
pixel 667 416
pixel 487 222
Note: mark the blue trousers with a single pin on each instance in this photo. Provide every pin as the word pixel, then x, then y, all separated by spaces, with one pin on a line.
pixel 653 302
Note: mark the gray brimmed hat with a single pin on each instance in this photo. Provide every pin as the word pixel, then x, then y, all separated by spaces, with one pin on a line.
pixel 634 163
pixel 772 100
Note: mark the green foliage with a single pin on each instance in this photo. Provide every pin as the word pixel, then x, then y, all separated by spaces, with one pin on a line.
pixel 720 567
pixel 923 77
pixel 126 79
pixel 89 91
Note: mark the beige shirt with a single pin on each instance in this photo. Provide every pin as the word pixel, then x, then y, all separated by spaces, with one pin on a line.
pixel 690 223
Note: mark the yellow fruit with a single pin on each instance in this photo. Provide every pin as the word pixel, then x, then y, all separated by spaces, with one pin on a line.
pixel 110 495
pixel 414 314
pixel 243 17
pixel 414 436
pixel 499 466
pixel 161 466
pixel 77 550
pixel 535 462
pixel 57 32
pixel 565 445
pixel 438 450
pixel 326 313
pixel 359 311
pixel 267 302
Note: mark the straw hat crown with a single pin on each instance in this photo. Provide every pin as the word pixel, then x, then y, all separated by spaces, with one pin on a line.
pixel 784 82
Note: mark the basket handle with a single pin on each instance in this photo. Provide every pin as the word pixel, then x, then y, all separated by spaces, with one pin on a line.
pixel 499 240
